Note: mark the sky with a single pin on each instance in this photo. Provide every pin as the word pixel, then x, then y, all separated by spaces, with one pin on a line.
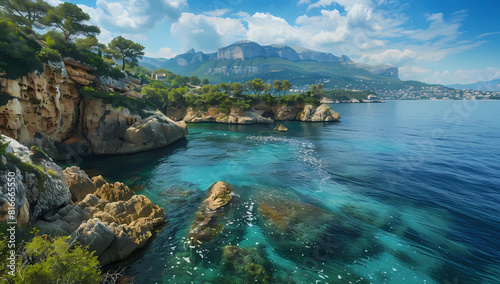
pixel 434 41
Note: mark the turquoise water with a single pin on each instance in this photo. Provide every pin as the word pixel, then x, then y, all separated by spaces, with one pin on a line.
pixel 401 192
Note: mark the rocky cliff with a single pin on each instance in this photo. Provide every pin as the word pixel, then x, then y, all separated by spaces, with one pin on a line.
pixel 46 109
pixel 109 218
pixel 264 114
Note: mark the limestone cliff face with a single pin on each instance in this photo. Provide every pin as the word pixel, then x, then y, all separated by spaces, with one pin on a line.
pixel 44 109
pixel 118 131
pixel 47 110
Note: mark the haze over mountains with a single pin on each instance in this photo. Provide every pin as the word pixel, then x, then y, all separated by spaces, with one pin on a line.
pixel 246 59
pixel 492 86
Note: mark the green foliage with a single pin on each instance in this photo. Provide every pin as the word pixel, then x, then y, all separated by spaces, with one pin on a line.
pixel 70 19
pixel 18 51
pixel 28 167
pixel 194 80
pixel 27 13
pixel 269 99
pixel 256 86
pixel 47 54
pixel 51 260
pixel 49 41
pixel 205 81
pixel 38 154
pixel 124 49
pixel 53 174
pixel 89 43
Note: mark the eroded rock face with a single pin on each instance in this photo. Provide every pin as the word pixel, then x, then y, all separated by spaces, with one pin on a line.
pixel 79 183
pixel 113 192
pixel 38 181
pixel 118 131
pixel 45 109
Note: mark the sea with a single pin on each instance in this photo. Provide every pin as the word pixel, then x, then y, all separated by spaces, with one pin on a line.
pixel 395 192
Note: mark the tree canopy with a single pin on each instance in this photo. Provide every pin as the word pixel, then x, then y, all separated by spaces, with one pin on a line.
pixel 70 19
pixel 26 13
pixel 124 49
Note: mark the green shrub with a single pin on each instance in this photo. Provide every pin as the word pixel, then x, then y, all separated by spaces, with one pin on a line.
pixel 51 260
pixel 3 145
pixel 52 173
pixel 47 54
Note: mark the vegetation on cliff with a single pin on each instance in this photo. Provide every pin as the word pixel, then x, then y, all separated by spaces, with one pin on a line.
pixel 23 48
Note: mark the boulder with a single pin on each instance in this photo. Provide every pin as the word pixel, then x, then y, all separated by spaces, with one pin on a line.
pixel 139 206
pixel 114 192
pixel 78 183
pixel 220 195
pixel 98 181
pixel 319 114
pixel 285 112
pixel 280 127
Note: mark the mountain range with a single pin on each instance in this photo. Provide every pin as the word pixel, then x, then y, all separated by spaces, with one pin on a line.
pixel 245 60
pixel 493 86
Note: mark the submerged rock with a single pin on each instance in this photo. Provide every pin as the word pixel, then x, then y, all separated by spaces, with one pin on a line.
pixel 289 223
pixel 280 127
pixel 248 263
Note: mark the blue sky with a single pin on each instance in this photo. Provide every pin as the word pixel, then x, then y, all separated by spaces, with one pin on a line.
pixel 435 41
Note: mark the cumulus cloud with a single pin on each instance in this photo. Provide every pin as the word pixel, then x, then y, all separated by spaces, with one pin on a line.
pixel 163 52
pixel 390 56
pixel 206 33
pixel 133 16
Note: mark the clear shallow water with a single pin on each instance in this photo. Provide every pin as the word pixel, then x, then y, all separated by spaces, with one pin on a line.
pixel 401 192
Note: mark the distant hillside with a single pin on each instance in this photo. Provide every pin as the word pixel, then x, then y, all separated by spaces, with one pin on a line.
pixel 245 60
pixel 487 86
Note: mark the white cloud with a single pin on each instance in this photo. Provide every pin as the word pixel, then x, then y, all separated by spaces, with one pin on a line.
pixel 206 33
pixel 164 52
pixel 133 16
pixel 410 72
pixel 54 2
pixel 347 4
pixel 217 12
pixel 390 56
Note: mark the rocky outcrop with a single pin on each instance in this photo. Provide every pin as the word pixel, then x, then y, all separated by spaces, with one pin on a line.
pixel 206 225
pixel 79 183
pixel 37 181
pixel 118 131
pixel 321 113
pixel 235 116
pixel 281 128
pixel 112 221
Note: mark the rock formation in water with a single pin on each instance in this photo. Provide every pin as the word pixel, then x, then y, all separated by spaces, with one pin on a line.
pixel 281 128
pixel 46 109
pixel 206 223
pixel 108 218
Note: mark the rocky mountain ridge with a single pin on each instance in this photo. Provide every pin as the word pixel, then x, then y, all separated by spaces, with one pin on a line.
pixel 189 62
